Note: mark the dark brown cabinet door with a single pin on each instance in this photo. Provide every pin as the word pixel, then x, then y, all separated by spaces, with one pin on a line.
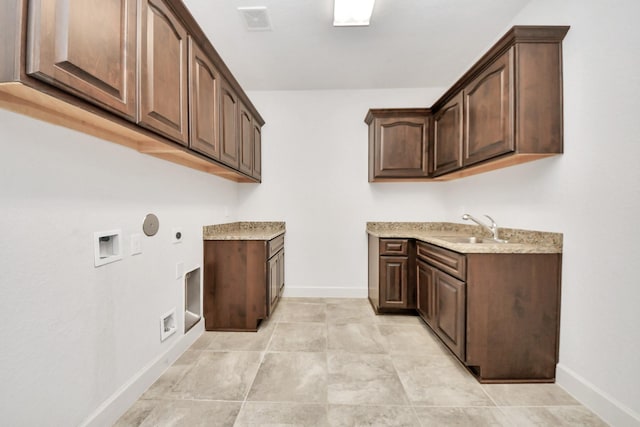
pixel 246 140
pixel 229 146
pixel 393 281
pixel 274 272
pixel 447 137
pixel 451 312
pixel 426 282
pixel 163 72
pixel 401 147
pixel 275 279
pixel 488 118
pixel 204 91
pixel 257 151
pixel 88 48
pixel 281 272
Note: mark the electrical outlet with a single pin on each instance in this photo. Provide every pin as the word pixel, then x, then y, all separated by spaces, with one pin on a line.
pixel 136 244
pixel 176 235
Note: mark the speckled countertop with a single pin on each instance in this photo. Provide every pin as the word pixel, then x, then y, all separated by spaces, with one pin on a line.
pixel 243 231
pixel 520 241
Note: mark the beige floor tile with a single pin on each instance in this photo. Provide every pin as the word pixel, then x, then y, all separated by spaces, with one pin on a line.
pixel 400 338
pixel 219 376
pixel 310 337
pixel 438 381
pixel 556 416
pixel 352 302
pixel 186 413
pixel 137 413
pixel 308 300
pixel 281 414
pixel 204 341
pixel 359 415
pixel 291 377
pixel 341 313
pixel 363 379
pixel 462 417
pixel 163 387
pixel 242 341
pixel 333 362
pixel 293 311
pixel 355 338
pixel 401 319
pixel 529 395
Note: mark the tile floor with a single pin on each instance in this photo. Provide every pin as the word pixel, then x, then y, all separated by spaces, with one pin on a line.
pixel 333 362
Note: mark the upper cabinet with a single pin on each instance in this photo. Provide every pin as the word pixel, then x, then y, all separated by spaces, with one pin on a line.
pixel 257 150
pixel 398 143
pixel 163 71
pixel 229 131
pixel 246 140
pixel 506 110
pixel 447 137
pixel 88 48
pixel 140 73
pixel 488 112
pixel 204 93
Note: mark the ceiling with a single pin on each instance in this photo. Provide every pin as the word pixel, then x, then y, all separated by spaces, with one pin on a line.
pixel 410 43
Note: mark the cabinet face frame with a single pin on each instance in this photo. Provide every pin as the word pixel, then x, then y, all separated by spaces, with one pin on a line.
pixel 163 107
pixel 204 101
pixel 59 53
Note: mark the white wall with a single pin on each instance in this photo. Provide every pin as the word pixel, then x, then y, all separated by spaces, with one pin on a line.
pixel 315 178
pixel 592 195
pixel 315 162
pixel 74 337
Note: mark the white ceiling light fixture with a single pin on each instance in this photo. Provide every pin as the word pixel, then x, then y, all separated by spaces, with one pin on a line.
pixel 352 13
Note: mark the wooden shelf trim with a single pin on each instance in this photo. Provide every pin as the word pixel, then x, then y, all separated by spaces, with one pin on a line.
pixel 22 99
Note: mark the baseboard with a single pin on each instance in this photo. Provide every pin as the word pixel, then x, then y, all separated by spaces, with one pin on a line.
pixel 118 403
pixel 325 292
pixel 606 407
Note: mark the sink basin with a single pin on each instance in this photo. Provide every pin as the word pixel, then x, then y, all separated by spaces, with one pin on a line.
pixel 468 239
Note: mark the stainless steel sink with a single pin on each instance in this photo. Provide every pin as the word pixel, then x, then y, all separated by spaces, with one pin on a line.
pixel 469 239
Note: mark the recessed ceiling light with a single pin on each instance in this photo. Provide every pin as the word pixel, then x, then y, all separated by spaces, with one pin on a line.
pixel 352 13
pixel 256 18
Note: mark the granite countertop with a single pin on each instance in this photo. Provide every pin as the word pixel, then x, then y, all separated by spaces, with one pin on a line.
pixel 520 241
pixel 243 231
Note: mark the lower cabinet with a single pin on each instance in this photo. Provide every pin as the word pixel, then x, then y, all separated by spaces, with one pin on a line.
pixel 243 282
pixel 442 297
pixel 426 292
pixel 450 312
pixel 496 312
pixel 276 278
pixel 392 287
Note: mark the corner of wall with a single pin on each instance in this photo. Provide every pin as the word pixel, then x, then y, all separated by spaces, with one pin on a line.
pixel 608 408
pixel 120 401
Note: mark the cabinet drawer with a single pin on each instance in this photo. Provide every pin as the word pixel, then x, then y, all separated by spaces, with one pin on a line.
pixel 394 247
pixel 448 261
pixel 275 245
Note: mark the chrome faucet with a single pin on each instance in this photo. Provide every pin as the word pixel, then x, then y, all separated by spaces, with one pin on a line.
pixel 493 229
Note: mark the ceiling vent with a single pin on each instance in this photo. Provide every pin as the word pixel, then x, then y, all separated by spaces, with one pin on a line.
pixel 256 18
